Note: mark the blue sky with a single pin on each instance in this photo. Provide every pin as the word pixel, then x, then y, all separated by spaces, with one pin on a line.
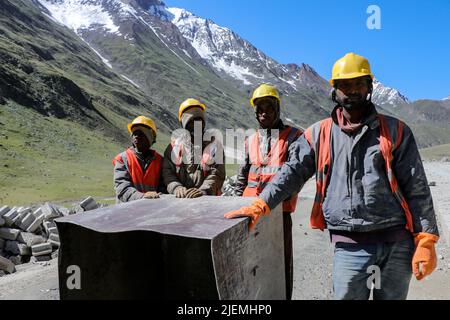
pixel 411 51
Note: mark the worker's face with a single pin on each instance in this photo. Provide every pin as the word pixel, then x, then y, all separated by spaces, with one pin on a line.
pixel 352 93
pixel 140 141
pixel 266 110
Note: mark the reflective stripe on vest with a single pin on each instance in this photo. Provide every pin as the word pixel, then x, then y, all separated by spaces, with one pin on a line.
pixel 177 154
pixel 262 170
pixel 322 147
pixel 142 182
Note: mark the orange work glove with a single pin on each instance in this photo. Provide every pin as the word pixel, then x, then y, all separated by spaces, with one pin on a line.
pixel 424 260
pixel 254 212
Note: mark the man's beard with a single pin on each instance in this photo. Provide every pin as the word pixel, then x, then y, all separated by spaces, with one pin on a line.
pixel 353 102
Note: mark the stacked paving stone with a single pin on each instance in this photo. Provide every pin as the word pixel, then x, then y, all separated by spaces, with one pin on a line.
pixel 228 186
pixel 29 234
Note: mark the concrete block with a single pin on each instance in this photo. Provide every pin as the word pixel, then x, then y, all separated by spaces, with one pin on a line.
pixel 76 210
pixel 9 234
pixel 40 231
pixel 30 239
pixel 36 223
pixel 27 221
pixel 2 273
pixel 41 249
pixel 55 244
pixel 10 216
pixel 24 250
pixel 187 250
pixel 42 258
pixel 54 240
pixel 53 230
pixel 7 265
pixel 16 222
pixel 48 224
pixel 55 254
pixel 64 211
pixel 17 260
pixel 37 212
pixel 2 244
pixel 16 248
pixel 51 211
pixel 89 204
pixel 54 237
pixel 24 211
pixel 4 210
pixel 2 222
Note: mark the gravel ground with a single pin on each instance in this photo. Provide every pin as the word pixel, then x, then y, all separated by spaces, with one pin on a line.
pixel 313 256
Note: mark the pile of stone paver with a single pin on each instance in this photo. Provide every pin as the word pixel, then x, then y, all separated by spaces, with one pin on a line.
pixel 29 234
pixel 228 186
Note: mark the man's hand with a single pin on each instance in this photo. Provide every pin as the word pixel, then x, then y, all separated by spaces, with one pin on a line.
pixel 254 212
pixel 193 193
pixel 424 260
pixel 151 195
pixel 180 192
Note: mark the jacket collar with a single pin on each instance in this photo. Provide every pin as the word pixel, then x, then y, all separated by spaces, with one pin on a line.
pixel 370 120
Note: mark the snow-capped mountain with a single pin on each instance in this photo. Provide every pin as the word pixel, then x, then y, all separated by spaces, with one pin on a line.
pixel 229 54
pixel 194 37
pixel 448 98
pixel 192 40
pixel 383 95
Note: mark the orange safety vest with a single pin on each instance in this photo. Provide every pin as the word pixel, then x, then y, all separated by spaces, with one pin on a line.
pixel 263 170
pixel 143 182
pixel 324 161
pixel 178 150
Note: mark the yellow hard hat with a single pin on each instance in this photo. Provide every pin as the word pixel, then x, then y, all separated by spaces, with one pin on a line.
pixel 265 90
pixel 350 66
pixel 144 121
pixel 189 103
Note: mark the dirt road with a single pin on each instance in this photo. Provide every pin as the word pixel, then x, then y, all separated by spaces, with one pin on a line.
pixel 313 259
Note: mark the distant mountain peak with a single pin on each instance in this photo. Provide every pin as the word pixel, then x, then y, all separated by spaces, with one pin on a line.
pixel 384 95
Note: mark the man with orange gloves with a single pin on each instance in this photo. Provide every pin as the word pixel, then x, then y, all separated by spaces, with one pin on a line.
pixel 137 170
pixel 266 151
pixel 371 190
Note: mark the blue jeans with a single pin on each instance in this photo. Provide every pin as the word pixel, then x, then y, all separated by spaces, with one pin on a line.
pixel 388 265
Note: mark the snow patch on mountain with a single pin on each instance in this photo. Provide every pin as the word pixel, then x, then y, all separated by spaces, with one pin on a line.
pixel 130 81
pixel 168 47
pixel 104 60
pixel 78 15
pixel 233 70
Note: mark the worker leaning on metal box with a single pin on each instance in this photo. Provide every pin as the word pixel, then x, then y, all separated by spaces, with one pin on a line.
pixel 183 174
pixel 371 190
pixel 266 151
pixel 137 170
